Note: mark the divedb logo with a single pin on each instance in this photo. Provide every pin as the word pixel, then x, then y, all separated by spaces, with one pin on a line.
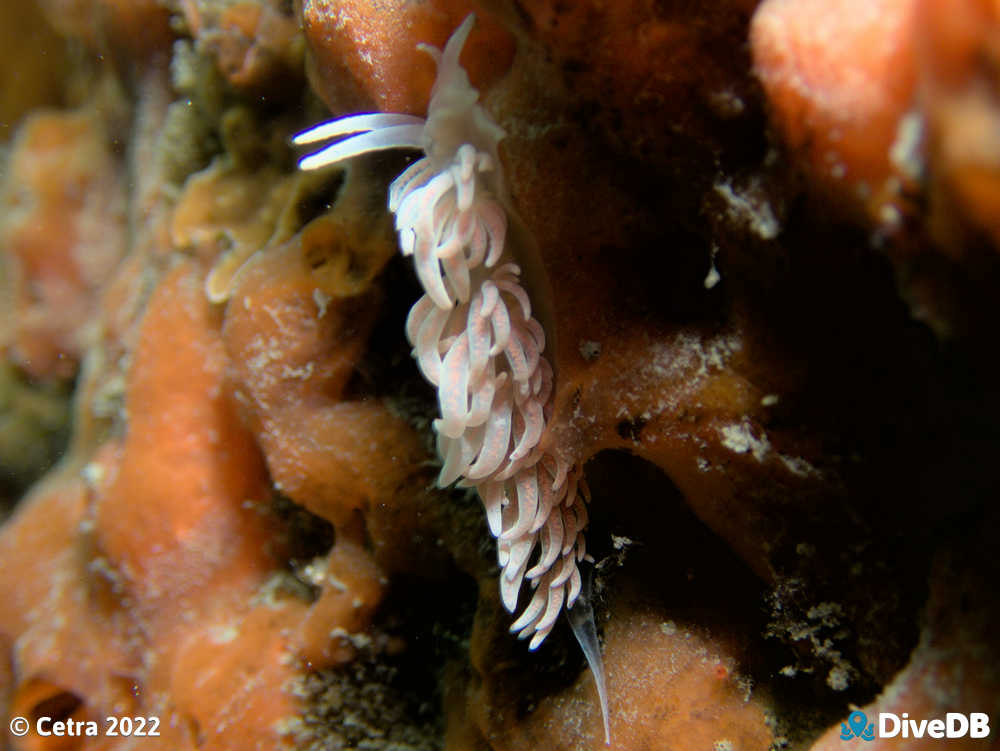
pixel 954 725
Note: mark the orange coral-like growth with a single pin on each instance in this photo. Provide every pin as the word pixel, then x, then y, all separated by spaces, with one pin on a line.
pixel 961 45
pixel 256 45
pixel 60 231
pixel 792 404
pixel 891 109
pixel 191 446
pixel 839 76
pixel 157 582
pixel 370 60
pixel 664 680
pixel 70 641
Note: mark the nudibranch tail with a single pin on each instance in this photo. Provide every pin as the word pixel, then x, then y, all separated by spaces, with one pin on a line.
pixel 581 620
pixel 476 339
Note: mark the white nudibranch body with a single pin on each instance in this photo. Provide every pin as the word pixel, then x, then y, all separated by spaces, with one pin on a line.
pixel 475 339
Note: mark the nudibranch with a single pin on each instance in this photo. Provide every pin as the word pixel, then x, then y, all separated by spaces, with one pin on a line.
pixel 474 337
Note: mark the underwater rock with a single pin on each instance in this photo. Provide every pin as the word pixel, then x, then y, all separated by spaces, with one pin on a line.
pixel 666 83
pixel 953 668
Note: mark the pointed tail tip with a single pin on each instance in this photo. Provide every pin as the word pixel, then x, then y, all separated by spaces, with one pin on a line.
pixel 604 714
pixel 581 621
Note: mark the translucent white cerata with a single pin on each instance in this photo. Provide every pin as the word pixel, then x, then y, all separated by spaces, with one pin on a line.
pixel 474 338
